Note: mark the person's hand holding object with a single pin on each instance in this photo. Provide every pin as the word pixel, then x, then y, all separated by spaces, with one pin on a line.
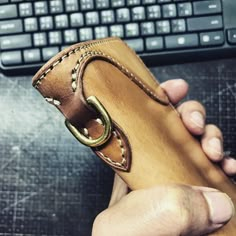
pixel 172 209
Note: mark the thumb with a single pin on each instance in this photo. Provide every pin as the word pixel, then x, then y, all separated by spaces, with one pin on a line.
pixel 166 210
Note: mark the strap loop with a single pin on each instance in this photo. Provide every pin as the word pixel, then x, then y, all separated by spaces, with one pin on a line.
pixel 94 102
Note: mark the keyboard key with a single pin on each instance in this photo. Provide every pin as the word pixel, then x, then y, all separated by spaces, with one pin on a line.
pixel 118 3
pixel 76 20
pixel 41 8
pixel 56 6
pixel 85 34
pixel 55 38
pixel 123 15
pixel 133 2
pixel 4 1
pixel 70 36
pixel 207 7
pixel 147 28
pixel 102 4
pixel 61 21
pixel 204 23
pixel 163 1
pixel 15 42
pixel 135 44
pixel 92 18
pixel 11 26
pixel 231 35
pixel 11 58
pixel 178 26
pixel 212 38
pixel 131 30
pixel 138 14
pixel 46 22
pixel 117 31
pixel 163 27
pixel 107 17
pixel 40 39
pixel 86 5
pixel 31 55
pixel 169 10
pixel 71 5
pixel 25 9
pixel 49 52
pixel 8 11
pixel 144 2
pixel 185 9
pixel 100 32
pixel 181 41
pixel 154 43
pixel 153 12
pixel 31 24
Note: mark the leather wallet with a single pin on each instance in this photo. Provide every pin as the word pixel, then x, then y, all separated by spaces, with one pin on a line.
pixel 113 104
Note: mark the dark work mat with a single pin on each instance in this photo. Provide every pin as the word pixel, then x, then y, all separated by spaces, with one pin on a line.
pixel 50 184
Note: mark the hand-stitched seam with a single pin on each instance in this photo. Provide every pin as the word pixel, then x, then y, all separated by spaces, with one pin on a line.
pixel 53 101
pixel 119 140
pixel 86 46
pixel 120 66
pixel 133 52
pixel 118 164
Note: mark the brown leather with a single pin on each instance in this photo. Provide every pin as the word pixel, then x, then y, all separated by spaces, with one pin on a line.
pixel 149 143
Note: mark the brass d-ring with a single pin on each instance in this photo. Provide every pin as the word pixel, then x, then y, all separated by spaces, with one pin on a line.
pixel 94 102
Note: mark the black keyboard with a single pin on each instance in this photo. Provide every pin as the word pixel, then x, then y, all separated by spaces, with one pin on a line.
pixel 160 31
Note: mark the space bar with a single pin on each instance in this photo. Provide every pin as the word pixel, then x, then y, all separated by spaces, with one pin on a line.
pixel 15 41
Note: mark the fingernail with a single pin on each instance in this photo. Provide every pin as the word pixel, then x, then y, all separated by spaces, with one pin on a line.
pixel 216 145
pixel 197 119
pixel 220 205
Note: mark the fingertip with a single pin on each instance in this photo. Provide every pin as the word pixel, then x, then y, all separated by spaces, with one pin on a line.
pixel 229 166
pixel 221 207
pixel 193 115
pixel 194 120
pixel 176 89
pixel 197 122
pixel 212 143
pixel 213 147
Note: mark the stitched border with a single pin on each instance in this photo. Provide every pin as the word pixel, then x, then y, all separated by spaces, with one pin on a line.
pixel 53 101
pixel 90 45
pixel 124 161
pixel 121 164
pixel 117 64
pixel 79 48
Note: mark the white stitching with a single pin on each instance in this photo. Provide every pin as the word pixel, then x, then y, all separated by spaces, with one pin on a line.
pixel 53 101
pixel 131 75
pixel 123 161
pixel 86 133
pixel 38 82
pixel 99 121
pixel 87 46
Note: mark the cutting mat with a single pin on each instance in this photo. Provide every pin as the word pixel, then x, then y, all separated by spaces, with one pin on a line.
pixel 50 184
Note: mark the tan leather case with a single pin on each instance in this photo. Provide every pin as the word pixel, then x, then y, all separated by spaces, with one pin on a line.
pixel 147 143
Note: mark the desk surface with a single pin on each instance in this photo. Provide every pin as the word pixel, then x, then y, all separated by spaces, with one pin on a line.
pixel 46 187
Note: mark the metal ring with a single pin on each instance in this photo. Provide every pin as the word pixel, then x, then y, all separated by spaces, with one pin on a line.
pixel 94 102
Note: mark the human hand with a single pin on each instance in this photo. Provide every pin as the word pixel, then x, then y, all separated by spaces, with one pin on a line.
pixel 172 209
